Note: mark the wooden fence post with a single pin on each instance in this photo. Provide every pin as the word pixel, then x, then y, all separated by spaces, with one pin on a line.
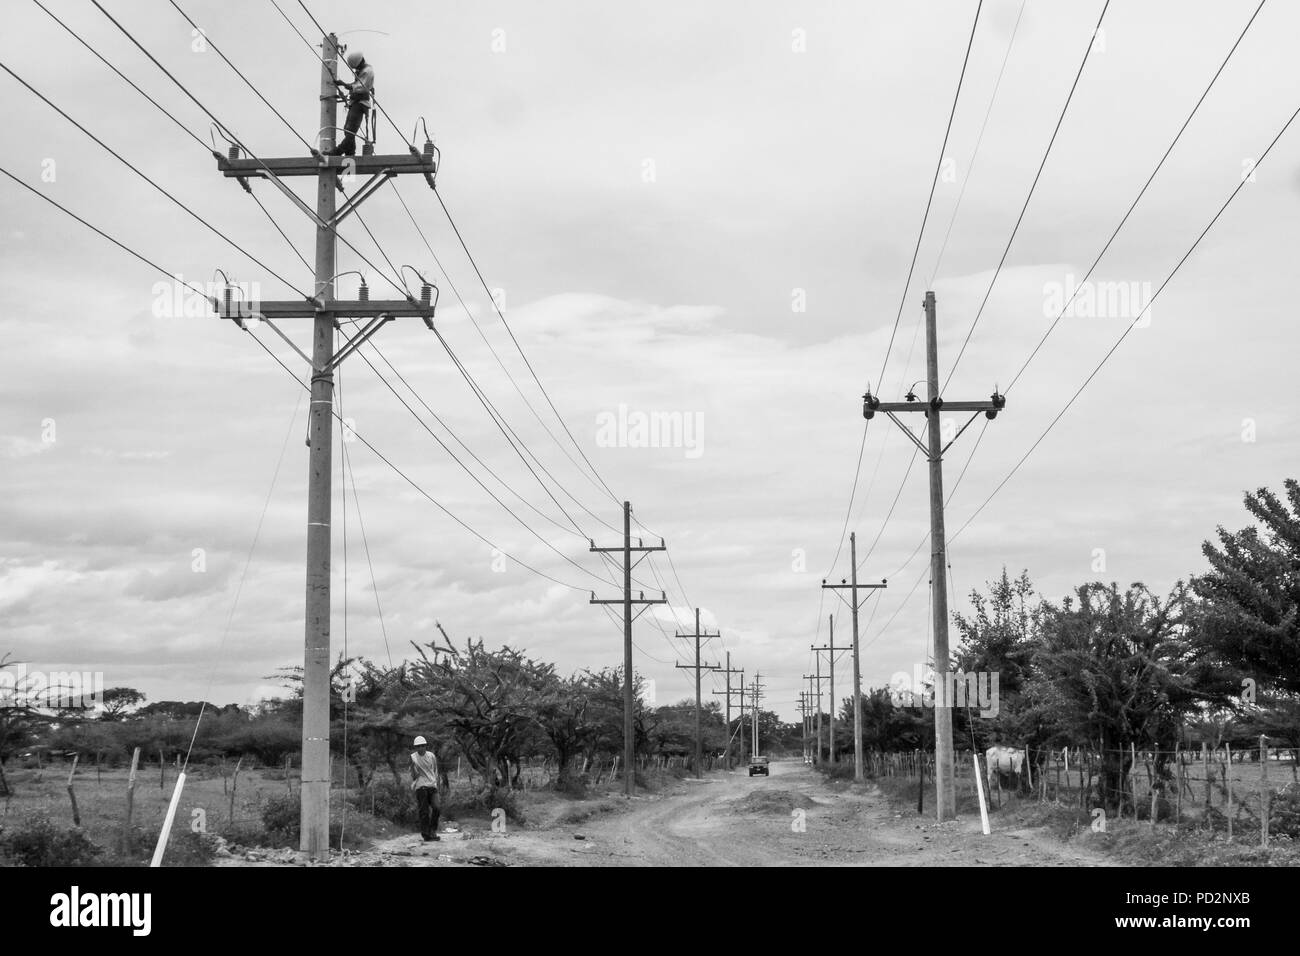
pixel 1263 791
pixel 1205 762
pixel 1132 777
pixel 130 802
pixel 1178 801
pixel 1151 783
pixel 234 786
pixel 76 814
pixel 1227 781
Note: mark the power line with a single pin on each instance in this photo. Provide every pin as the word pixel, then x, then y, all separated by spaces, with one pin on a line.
pixel 1034 185
pixel 934 181
pixel 188 132
pixel 210 42
pixel 1141 192
pixel 979 139
pixel 518 347
pixel 361 438
pixel 479 330
pixel 1129 328
pixel 930 199
pixel 135 169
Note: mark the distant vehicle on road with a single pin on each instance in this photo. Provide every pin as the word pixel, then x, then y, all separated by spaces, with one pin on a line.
pixel 758 765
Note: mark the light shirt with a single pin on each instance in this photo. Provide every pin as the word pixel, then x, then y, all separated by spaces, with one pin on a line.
pixel 424 770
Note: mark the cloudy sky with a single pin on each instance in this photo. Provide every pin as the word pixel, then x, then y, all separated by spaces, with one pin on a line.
pixel 700 209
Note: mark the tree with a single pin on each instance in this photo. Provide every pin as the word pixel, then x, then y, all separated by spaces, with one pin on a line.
pixel 118 700
pixel 1250 624
pixel 568 719
pixel 20 718
pixel 1114 670
pixel 490 700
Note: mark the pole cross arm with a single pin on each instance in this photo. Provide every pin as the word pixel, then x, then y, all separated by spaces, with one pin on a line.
pixel 636 547
pixel 302 309
pixel 662 599
pixel 871 405
pixel 883 583
pixel 389 164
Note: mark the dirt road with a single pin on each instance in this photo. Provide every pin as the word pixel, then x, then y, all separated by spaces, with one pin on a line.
pixel 792 818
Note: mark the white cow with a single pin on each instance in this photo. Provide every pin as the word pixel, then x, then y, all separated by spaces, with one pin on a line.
pixel 1004 760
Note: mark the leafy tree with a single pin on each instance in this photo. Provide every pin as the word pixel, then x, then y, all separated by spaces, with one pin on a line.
pixel 118 700
pixel 1114 669
pixel 1250 626
pixel 999 637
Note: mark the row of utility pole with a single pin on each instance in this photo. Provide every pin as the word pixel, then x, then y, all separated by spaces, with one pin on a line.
pixel 327 312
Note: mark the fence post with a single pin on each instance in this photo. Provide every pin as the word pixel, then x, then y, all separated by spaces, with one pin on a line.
pixel 1205 762
pixel 1227 782
pixel 234 786
pixel 1178 800
pixel 130 802
pixel 1151 783
pixel 76 814
pixel 1263 791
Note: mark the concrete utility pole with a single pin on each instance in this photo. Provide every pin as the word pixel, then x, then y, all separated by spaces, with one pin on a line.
pixel 946 798
pixel 818 685
pixel 740 727
pixel 810 696
pixel 756 693
pixel 698 667
pixel 629 697
pixel 325 310
pixel 830 649
pixel 856 603
pixel 803 722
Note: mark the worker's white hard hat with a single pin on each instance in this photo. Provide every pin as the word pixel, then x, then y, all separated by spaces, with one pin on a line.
pixel 421 742
pixel 354 58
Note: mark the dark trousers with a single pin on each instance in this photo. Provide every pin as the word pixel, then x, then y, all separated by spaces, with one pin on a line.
pixel 356 113
pixel 426 804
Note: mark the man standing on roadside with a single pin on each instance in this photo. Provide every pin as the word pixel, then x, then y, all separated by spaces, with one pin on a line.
pixel 424 781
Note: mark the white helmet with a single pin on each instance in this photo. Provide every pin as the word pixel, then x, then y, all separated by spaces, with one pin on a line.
pixel 354 58
pixel 421 742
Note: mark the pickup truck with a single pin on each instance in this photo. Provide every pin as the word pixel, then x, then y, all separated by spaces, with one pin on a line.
pixel 758 765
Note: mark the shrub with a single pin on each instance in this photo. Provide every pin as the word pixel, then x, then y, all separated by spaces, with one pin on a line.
pixel 38 842
pixel 483 801
pixel 184 848
pixel 1284 812
pixel 838 771
pixel 282 823
pixel 282 820
pixel 391 801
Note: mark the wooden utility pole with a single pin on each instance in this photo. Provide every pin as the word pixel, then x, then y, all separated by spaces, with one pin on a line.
pixel 698 667
pixel 629 696
pixel 854 587
pixel 325 312
pixel 946 797
pixel 728 671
